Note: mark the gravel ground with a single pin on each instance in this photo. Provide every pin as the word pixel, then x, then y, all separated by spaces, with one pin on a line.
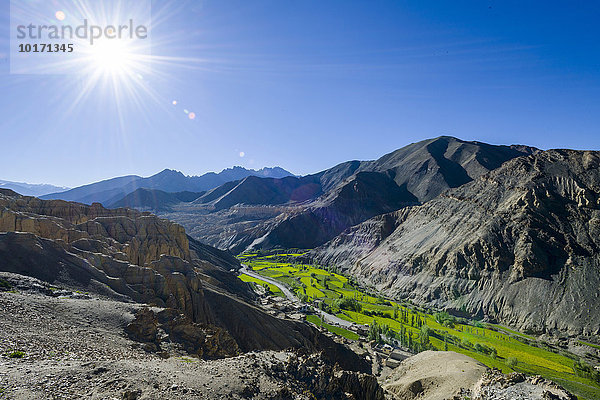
pixel 74 346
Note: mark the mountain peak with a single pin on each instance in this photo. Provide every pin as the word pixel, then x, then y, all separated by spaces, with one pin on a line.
pixel 269 172
pixel 447 138
pixel 169 172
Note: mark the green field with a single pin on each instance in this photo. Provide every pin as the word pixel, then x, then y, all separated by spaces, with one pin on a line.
pixel 494 345
pixel 331 328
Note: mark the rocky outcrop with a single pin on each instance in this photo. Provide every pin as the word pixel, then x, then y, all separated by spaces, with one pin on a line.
pixel 326 381
pixel 496 385
pixel 140 238
pixel 519 245
pixel 438 375
pixel 434 375
pixel 204 341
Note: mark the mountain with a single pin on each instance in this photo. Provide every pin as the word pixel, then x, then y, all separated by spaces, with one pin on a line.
pixel 264 191
pixel 137 257
pixel 28 189
pixel 364 195
pixel 153 199
pixel 519 245
pixel 114 190
pixel 237 173
pixel 308 211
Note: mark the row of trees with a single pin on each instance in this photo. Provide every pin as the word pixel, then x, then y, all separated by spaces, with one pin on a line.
pixel 585 370
pixel 416 343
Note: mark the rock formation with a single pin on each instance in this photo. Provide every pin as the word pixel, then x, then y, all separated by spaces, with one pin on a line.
pixel 519 244
pixel 149 260
pixel 440 375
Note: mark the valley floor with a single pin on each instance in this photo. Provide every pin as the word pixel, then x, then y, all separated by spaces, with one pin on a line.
pixel 418 329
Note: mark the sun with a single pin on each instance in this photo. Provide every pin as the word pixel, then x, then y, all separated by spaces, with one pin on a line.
pixel 112 57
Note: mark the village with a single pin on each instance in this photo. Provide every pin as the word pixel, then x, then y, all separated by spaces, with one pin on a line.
pixel 383 356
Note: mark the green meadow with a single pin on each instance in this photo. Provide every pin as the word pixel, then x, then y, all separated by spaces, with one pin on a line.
pixel 417 328
pixel 332 328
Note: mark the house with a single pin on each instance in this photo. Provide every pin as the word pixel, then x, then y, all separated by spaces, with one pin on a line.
pixel 396 357
pixel 387 349
pixel 302 308
pixel 390 363
pixel 399 355
pixel 362 330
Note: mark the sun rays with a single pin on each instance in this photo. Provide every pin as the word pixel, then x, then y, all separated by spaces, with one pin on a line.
pixel 108 59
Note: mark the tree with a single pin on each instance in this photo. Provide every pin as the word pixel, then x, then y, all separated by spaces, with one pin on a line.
pixel 445 319
pixel 583 369
pixel 512 362
pixel 375 332
pixel 346 303
pixel 424 337
pixel 402 333
pixel 385 330
pixel 303 297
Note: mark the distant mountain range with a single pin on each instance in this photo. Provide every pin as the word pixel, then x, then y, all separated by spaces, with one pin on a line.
pixel 28 189
pixel 114 190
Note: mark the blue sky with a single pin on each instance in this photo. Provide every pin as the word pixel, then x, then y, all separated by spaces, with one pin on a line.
pixel 308 84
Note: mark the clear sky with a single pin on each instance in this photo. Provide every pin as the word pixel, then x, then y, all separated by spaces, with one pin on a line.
pixel 308 84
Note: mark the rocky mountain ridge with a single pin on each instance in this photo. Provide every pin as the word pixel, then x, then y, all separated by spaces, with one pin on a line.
pixel 519 245
pixel 154 200
pixel 308 211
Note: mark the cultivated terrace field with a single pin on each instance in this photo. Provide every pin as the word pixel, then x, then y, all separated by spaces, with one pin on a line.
pixel 416 329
